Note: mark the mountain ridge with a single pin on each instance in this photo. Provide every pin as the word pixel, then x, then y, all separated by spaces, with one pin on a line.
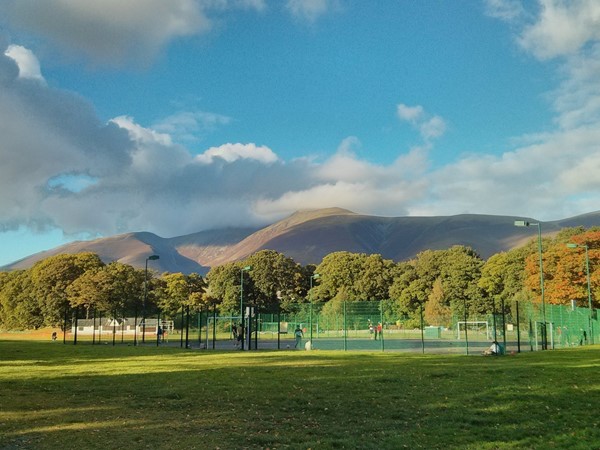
pixel 309 235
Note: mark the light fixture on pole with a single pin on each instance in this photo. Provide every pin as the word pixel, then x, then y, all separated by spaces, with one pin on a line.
pixel 589 289
pixel 243 325
pixel 314 276
pixel 149 258
pixel 523 223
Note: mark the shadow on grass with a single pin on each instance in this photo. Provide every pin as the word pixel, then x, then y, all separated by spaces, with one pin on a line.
pixel 94 397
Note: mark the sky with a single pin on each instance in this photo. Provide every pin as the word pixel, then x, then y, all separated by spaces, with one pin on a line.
pixel 187 115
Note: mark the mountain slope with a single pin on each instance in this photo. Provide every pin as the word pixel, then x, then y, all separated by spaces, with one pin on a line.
pixel 308 236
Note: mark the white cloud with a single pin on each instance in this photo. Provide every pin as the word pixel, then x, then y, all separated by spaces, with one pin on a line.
pixel 310 10
pixel 507 10
pixel 141 134
pixel 410 113
pixel 117 31
pixel 234 152
pixel 191 126
pixel 29 66
pixel 430 127
pixel 433 128
pixel 562 28
pixel 63 167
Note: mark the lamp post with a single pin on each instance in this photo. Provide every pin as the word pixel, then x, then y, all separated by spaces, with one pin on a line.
pixel 589 289
pixel 314 276
pixel 523 223
pixel 149 258
pixel 243 330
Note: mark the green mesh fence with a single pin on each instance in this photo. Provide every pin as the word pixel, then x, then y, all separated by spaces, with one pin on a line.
pixel 366 325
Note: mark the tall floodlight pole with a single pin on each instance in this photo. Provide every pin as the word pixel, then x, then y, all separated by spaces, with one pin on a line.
pixel 314 276
pixel 523 223
pixel 243 330
pixel 149 258
pixel 589 288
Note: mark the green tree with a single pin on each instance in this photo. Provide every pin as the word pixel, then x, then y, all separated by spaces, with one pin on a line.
pixel 19 309
pixel 224 286
pixel 181 291
pixel 460 272
pixel 275 279
pixel 115 288
pixel 339 272
pixel 51 278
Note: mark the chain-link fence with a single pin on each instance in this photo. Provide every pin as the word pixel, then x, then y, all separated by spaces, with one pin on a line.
pixel 367 325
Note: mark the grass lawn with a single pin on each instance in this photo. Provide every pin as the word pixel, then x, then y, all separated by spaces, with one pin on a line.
pixel 55 396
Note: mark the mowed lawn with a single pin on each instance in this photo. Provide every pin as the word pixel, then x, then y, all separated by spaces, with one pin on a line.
pixel 55 396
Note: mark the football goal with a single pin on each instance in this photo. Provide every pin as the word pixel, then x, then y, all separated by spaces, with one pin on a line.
pixel 476 327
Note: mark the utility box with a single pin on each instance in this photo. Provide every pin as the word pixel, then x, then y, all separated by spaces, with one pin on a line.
pixel 433 332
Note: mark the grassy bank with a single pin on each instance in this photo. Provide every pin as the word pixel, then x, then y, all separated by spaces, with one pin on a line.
pixel 64 396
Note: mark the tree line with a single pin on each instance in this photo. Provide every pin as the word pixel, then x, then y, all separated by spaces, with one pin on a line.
pixel 441 282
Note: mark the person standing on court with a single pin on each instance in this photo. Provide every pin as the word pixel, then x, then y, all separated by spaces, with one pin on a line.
pixel 298 334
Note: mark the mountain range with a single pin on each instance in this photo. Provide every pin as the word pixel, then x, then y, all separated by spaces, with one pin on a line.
pixel 308 236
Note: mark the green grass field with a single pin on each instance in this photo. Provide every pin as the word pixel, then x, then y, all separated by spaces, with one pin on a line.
pixel 56 396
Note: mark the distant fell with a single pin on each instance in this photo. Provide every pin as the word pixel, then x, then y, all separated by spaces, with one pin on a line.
pixel 307 236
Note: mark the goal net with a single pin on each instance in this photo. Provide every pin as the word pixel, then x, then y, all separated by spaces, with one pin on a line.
pixel 473 328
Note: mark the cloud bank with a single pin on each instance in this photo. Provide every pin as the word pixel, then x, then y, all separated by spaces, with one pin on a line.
pixel 64 168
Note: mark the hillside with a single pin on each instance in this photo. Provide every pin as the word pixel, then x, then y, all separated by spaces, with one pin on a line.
pixel 307 236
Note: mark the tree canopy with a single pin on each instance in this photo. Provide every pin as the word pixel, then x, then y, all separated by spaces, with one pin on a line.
pixel 441 282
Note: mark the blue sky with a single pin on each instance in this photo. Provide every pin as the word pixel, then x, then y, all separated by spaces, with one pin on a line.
pixel 180 116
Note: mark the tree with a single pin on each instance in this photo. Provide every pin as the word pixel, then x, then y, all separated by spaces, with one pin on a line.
pixel 224 285
pixel 339 272
pixel 565 272
pixel 359 277
pixel 437 311
pixel 181 291
pixel 52 276
pixel 375 277
pixel 275 280
pixel 18 306
pixel 113 288
pixel 460 271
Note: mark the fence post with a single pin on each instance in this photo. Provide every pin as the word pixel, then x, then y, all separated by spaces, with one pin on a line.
pixel 278 326
pixel 65 325
pixel 503 322
pixel 187 326
pixel 382 325
pixel 114 330
pixel 466 325
pixel 134 325
pixel 345 330
pixel 94 328
pixel 518 329
pixel 75 325
pixel 214 326
pixel 493 320
pixel 199 320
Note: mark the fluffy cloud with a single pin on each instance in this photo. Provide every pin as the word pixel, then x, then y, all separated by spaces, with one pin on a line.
pixel 233 152
pixel 549 179
pixel 190 126
pixel 562 28
pixel 29 66
pixel 430 127
pixel 62 167
pixel 116 30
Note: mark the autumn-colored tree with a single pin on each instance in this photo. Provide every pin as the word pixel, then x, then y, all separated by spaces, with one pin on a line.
pixel 437 310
